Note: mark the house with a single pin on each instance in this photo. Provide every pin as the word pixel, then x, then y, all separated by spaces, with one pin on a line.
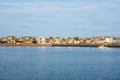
pixel 3 40
pixel 27 39
pixel 108 40
pixel 70 41
pixel 19 41
pixel 81 40
pixel 63 41
pixel 11 39
pixel 57 41
pixel 99 40
pixel 116 41
pixel 88 41
pixel 41 40
pixel 76 42
pixel 52 41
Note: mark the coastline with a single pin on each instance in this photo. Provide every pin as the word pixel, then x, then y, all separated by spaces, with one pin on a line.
pixel 25 45
pixel 57 45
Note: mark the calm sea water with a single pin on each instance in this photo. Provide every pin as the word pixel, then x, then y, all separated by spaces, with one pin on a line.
pixel 62 63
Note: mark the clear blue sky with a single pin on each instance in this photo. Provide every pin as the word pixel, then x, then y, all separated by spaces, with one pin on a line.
pixel 64 18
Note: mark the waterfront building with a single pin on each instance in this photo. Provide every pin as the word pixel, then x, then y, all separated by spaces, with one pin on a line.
pixel 41 40
pixel 88 41
pixel 11 39
pixel 63 41
pixel 19 41
pixel 70 41
pixel 3 40
pixel 99 41
pixel 108 40
pixel 51 41
pixel 81 40
pixel 76 42
pixel 27 39
pixel 57 41
pixel 116 41
pixel 34 41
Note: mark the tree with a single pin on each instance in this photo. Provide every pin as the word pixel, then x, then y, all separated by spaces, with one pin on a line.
pixel 57 37
pixel 51 37
pixel 76 38
pixel 69 38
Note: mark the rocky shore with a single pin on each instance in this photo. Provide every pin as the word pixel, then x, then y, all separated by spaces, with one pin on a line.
pixel 58 45
pixel 25 45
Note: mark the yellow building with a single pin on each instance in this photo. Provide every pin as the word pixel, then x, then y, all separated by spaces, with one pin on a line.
pixel 11 39
pixel 70 41
pixel 57 41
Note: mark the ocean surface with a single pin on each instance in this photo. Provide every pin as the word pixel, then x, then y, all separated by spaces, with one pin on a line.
pixel 59 63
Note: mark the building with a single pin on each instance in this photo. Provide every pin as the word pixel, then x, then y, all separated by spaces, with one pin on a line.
pixel 108 40
pixel 76 42
pixel 88 41
pixel 27 39
pixel 3 40
pixel 70 41
pixel 58 41
pixel 11 39
pixel 64 41
pixel 116 41
pixel 41 40
pixel 51 41
pixel 99 40
pixel 19 41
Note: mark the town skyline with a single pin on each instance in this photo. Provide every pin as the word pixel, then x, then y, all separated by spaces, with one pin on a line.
pixel 57 41
pixel 64 18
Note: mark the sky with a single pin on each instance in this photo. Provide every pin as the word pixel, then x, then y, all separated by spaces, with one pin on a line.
pixel 64 18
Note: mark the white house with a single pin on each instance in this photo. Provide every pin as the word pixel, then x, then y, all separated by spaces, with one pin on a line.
pixel 41 40
pixel 108 40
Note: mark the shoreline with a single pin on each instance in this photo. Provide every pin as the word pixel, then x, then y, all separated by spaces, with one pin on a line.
pixel 25 45
pixel 56 45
